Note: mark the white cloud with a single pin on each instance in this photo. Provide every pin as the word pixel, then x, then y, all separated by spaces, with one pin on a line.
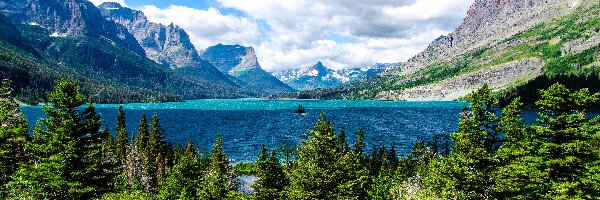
pixel 378 31
pixel 206 27
pixel 298 33
pixel 98 2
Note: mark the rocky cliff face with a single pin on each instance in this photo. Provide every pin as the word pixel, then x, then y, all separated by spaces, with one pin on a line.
pixel 488 22
pixel 241 63
pixel 69 18
pixel 319 76
pixel 168 45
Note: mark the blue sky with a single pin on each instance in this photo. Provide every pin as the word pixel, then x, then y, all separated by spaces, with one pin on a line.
pixel 298 33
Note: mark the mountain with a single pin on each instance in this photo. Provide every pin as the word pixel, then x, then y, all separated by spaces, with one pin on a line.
pixel 71 18
pixel 319 76
pixel 71 39
pixel 242 64
pixel 506 44
pixel 168 45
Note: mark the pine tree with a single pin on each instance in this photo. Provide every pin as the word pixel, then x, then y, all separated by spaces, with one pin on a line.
pixel 184 179
pixel 359 145
pixel 13 136
pixel 320 171
pixel 272 180
pixel 154 157
pixel 122 142
pixel 472 159
pixel 142 134
pixel 220 180
pixel 66 152
pixel 343 142
pixel 556 157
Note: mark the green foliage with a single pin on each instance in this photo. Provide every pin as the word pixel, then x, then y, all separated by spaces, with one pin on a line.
pixel 185 178
pixel 323 171
pixel 121 141
pixel 272 180
pixel 220 181
pixel 472 160
pixel 66 151
pixel 13 136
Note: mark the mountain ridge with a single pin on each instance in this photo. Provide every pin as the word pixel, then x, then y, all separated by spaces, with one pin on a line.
pixel 242 64
pixel 319 76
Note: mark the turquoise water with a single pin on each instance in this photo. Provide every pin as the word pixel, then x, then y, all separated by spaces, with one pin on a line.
pixel 245 124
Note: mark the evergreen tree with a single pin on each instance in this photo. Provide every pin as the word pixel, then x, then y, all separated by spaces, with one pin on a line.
pixel 220 181
pixel 66 151
pixel 158 149
pixel 556 157
pixel 472 159
pixel 184 179
pixel 272 180
pixel 343 142
pixel 142 134
pixel 320 172
pixel 359 145
pixel 13 136
pixel 122 141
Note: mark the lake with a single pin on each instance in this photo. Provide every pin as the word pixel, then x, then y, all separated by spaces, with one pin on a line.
pixel 245 124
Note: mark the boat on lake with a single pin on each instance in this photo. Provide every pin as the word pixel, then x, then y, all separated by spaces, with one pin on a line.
pixel 300 109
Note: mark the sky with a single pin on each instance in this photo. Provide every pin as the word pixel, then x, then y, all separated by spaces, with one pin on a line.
pixel 289 34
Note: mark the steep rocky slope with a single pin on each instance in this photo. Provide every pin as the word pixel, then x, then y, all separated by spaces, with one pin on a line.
pixel 71 18
pixel 64 44
pixel 496 42
pixel 241 63
pixel 167 45
pixel 319 76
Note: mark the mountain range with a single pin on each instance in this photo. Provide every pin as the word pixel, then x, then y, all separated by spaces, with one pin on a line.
pixel 319 76
pixel 115 53
pixel 514 46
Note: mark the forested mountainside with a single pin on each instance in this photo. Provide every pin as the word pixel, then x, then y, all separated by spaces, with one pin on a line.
pixel 506 44
pixel 49 40
pixel 242 64
pixel 167 45
pixel 319 76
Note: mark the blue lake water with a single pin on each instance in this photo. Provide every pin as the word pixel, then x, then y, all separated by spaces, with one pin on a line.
pixel 245 124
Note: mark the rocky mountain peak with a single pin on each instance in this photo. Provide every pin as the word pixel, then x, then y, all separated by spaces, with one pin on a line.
pixel 230 58
pixel 241 63
pixel 320 69
pixel 71 18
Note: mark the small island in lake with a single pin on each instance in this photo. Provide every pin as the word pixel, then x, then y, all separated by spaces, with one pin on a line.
pixel 300 109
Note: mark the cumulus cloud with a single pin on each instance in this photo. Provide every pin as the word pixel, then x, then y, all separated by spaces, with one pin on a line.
pixel 206 27
pixel 298 33
pixel 377 30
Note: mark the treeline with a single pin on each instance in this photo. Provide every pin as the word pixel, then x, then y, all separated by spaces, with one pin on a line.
pixel 571 81
pixel 493 156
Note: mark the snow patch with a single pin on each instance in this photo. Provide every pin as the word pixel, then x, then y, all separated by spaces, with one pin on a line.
pixel 33 24
pixel 55 34
pixel 574 3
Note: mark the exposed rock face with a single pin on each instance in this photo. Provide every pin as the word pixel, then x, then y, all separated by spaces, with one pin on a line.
pixel 319 76
pixel 70 18
pixel 241 63
pixel 168 45
pixel 487 22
